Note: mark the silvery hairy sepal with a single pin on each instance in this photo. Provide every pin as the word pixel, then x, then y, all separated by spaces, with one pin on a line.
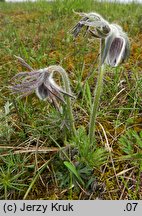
pixel 41 82
pixel 94 23
pixel 117 46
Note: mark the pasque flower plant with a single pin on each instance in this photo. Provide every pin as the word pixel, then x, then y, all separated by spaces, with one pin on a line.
pixel 114 49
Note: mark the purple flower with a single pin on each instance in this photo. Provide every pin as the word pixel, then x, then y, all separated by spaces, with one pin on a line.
pixel 118 46
pixel 41 82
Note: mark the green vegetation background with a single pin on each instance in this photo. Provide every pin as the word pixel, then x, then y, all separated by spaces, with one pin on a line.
pixel 31 132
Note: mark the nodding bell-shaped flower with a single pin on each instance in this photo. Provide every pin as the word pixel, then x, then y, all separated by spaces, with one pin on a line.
pixel 42 83
pixel 115 42
pixel 117 46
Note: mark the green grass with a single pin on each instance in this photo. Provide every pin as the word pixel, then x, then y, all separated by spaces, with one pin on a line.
pixel 39 159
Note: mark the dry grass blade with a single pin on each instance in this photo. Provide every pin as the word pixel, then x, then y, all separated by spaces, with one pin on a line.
pixel 22 150
pixel 107 146
pixel 122 172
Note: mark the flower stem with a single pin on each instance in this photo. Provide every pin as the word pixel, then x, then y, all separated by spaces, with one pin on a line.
pixel 69 111
pixel 97 94
pixel 68 108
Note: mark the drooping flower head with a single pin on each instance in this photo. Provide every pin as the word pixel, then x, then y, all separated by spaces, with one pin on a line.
pixel 42 83
pixel 116 43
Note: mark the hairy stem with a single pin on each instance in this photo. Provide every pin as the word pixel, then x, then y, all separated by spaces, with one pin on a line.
pixel 96 101
pixel 68 109
pixel 97 95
